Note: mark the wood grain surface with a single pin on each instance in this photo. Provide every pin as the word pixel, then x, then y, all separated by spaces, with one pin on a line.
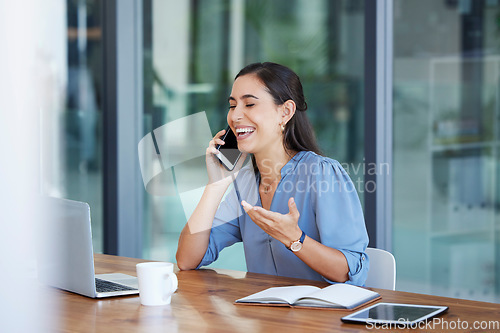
pixel 205 299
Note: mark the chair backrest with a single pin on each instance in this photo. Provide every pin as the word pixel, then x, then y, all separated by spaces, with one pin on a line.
pixel 382 273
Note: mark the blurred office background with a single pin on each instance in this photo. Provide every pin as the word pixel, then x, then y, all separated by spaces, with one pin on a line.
pixel 123 68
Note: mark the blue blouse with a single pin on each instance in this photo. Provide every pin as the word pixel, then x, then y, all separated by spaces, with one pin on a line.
pixel 330 213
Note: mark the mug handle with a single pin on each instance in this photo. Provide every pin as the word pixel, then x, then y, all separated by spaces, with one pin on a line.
pixel 172 282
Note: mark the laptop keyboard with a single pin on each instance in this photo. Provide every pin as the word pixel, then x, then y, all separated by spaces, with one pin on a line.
pixel 103 286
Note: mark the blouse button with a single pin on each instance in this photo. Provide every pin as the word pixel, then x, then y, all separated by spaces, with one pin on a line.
pixel 362 257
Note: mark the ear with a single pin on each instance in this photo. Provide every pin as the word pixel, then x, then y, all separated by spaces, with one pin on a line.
pixel 288 111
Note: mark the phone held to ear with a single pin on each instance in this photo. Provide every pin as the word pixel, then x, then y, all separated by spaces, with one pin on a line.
pixel 228 153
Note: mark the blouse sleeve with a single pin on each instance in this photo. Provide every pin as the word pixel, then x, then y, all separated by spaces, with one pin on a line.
pixel 225 228
pixel 339 218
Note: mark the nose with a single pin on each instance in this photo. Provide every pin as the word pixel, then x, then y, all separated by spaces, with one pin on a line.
pixel 237 114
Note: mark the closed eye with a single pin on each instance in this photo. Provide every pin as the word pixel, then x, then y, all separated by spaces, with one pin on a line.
pixel 249 105
pixel 232 106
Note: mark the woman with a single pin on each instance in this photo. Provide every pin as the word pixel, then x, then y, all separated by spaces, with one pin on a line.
pixel 305 219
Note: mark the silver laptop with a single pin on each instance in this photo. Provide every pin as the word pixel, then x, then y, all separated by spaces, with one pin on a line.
pixel 66 257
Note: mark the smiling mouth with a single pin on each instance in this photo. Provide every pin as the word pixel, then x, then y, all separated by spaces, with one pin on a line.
pixel 242 133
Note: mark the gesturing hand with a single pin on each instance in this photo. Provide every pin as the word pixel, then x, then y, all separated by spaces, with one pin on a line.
pixel 283 227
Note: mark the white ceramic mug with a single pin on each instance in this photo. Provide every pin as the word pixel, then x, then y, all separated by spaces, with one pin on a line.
pixel 157 282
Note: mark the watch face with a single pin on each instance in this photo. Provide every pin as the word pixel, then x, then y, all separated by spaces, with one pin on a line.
pixel 296 246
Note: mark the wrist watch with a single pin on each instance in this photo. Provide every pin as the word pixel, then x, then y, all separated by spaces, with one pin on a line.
pixel 297 245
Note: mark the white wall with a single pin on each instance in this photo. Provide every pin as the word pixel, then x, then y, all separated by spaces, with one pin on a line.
pixel 31 62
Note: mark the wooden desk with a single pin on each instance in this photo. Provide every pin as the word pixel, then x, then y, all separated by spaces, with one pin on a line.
pixel 204 303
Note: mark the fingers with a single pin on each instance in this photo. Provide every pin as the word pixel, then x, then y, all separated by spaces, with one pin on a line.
pixel 220 133
pixel 249 209
pixel 266 214
pixel 274 224
pixel 212 150
pixel 258 219
pixel 294 212
pixel 246 205
pixel 217 136
pixel 216 139
pixel 259 213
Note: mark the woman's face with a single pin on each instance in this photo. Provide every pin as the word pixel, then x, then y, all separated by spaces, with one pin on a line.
pixel 253 116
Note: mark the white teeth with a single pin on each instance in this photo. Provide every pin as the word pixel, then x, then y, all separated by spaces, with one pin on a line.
pixel 243 130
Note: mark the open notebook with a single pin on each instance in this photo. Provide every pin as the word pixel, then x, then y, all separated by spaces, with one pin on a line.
pixel 336 296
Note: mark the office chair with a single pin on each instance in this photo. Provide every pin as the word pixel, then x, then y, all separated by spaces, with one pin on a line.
pixel 382 273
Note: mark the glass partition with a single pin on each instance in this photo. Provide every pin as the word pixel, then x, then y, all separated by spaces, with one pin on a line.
pixel 446 146
pixel 193 50
pixel 71 126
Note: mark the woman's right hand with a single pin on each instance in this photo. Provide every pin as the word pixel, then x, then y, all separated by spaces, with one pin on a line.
pixel 217 173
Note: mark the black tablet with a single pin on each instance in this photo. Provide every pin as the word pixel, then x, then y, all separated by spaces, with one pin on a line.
pixel 394 314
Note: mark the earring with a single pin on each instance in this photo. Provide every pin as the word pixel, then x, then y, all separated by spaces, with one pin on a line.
pixel 282 127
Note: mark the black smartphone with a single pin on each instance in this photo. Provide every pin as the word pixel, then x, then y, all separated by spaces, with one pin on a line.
pixel 228 153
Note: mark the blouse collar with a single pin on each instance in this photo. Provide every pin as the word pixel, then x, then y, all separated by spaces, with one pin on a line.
pixel 290 165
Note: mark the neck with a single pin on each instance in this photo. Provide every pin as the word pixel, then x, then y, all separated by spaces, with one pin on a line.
pixel 270 164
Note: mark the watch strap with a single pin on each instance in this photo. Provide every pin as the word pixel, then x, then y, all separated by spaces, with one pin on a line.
pixel 302 237
pixel 301 240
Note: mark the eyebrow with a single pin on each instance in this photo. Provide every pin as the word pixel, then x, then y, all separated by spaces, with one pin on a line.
pixel 231 98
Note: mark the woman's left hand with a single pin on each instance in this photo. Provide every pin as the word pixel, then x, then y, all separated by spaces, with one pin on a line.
pixel 283 227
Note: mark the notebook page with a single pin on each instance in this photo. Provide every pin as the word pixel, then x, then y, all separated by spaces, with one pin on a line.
pixel 343 294
pixel 280 294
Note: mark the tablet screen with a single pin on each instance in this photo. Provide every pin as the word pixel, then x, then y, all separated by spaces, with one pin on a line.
pixel 397 313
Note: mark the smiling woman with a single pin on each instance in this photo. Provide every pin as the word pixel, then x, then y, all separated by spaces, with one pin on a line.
pixel 314 234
